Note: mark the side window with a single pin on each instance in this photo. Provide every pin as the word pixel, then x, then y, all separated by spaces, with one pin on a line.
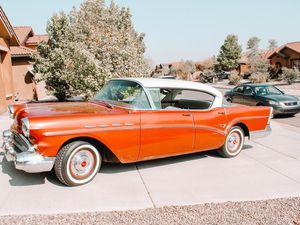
pixel 248 90
pixel 238 89
pixel 141 101
pixel 156 97
pixel 190 99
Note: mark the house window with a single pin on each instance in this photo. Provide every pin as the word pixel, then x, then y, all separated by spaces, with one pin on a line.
pixel 296 64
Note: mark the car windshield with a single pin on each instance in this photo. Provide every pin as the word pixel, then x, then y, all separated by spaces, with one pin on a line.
pixel 267 90
pixel 123 93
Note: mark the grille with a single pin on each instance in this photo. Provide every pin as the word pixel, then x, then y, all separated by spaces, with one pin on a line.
pixel 19 142
pixel 290 103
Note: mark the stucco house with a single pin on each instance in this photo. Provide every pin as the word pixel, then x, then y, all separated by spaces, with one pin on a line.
pixel 17 44
pixel 24 84
pixel 8 40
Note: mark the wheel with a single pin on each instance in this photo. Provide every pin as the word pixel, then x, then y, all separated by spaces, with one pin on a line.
pixel 77 163
pixel 233 144
pixel 229 100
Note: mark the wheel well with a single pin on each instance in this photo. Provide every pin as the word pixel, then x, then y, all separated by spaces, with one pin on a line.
pixel 260 104
pixel 106 153
pixel 244 127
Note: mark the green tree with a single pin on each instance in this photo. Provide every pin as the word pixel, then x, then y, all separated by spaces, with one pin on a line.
pixel 87 47
pixel 230 53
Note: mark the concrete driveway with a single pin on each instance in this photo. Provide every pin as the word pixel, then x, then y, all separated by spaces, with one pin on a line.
pixel 266 168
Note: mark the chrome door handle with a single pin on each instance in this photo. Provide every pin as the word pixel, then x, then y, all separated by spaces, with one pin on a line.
pixel 186 114
pixel 222 113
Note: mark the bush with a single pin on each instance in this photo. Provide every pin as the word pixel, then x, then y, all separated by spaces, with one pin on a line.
pixel 259 77
pixel 208 76
pixel 234 78
pixel 289 75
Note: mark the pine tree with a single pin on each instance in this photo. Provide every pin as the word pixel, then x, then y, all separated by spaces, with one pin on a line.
pixel 230 53
pixel 97 43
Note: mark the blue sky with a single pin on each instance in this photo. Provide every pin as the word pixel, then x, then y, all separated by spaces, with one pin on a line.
pixel 183 29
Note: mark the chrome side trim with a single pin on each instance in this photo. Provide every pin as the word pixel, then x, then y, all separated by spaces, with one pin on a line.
pixel 213 129
pixel 260 133
pixel 89 126
pixel 116 124
pixel 86 131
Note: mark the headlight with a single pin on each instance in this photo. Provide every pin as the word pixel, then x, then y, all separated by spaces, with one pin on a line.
pixel 11 111
pixel 273 102
pixel 25 127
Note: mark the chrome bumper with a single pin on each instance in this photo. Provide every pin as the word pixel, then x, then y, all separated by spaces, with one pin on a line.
pixel 261 133
pixel 29 161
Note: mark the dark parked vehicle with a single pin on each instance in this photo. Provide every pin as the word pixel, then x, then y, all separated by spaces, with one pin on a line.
pixel 264 95
pixel 223 75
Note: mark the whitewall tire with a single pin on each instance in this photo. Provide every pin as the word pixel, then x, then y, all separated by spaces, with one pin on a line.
pixel 77 163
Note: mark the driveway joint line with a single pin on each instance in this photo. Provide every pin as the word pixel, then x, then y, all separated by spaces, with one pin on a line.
pixel 272 149
pixel 146 188
pixel 274 170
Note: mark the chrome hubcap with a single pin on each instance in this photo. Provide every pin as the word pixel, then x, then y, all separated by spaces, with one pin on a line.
pixel 234 142
pixel 82 164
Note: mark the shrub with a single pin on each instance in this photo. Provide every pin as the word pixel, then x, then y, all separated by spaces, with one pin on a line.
pixel 259 77
pixel 289 75
pixel 234 78
pixel 208 76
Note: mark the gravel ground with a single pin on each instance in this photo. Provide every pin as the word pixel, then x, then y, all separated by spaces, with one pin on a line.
pixel 277 211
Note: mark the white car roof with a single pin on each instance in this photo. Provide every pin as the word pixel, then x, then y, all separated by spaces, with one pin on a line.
pixel 171 83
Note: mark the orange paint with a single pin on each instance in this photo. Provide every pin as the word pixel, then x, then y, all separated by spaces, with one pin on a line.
pixel 135 135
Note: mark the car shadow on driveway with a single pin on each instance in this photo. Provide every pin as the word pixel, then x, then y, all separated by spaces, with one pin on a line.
pixel 111 168
pixel 282 116
pixel 21 178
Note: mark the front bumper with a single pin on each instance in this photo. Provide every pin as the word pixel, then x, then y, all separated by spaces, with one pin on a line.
pixel 260 133
pixel 286 109
pixel 28 161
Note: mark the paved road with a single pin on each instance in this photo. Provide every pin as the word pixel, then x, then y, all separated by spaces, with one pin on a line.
pixel 266 168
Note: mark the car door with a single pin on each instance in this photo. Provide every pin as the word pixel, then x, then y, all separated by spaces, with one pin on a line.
pixel 166 130
pixel 166 133
pixel 249 96
pixel 237 96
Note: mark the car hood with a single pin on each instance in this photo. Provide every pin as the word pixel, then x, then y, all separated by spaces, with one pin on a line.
pixel 62 108
pixel 281 98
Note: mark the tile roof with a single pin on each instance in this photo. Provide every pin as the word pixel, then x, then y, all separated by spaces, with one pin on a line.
pixel 6 23
pixel 295 46
pixel 20 51
pixel 36 39
pixel 263 53
pixel 23 32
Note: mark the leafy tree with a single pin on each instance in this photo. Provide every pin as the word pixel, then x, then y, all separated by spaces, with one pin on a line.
pixel 253 44
pixel 234 78
pixel 87 47
pixel 272 44
pixel 230 53
pixel 289 75
pixel 185 70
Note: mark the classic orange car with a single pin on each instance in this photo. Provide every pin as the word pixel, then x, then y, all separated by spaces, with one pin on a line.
pixel 129 120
